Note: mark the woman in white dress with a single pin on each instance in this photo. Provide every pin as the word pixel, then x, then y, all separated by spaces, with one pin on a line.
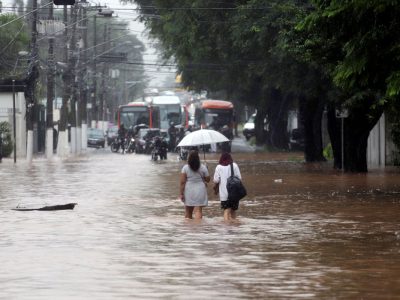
pixel 193 186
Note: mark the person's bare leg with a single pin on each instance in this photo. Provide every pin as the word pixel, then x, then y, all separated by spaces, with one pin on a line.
pixel 233 214
pixel 189 212
pixel 198 212
pixel 227 214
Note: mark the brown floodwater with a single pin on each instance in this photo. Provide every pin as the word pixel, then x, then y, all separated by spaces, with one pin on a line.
pixel 304 231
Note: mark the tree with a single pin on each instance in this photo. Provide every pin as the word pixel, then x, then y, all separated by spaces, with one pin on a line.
pixel 357 44
pixel 6 140
pixel 228 45
pixel 13 39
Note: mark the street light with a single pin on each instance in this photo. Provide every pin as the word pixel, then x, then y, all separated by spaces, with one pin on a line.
pixel 20 55
pixel 106 13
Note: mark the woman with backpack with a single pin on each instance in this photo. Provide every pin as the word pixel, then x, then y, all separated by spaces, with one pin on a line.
pixel 193 186
pixel 221 175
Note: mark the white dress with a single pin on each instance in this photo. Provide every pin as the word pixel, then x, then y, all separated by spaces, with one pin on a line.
pixel 195 188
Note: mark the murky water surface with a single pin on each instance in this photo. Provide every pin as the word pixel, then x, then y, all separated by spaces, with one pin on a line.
pixel 304 232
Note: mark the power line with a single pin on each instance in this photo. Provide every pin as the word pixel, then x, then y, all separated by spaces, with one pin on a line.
pixel 23 16
pixel 193 8
pixel 12 41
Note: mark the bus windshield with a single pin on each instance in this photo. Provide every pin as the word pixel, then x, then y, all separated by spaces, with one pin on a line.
pixel 170 113
pixel 217 118
pixel 134 115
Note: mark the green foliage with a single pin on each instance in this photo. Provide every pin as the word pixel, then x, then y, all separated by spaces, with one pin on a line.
pixel 234 46
pixel 344 51
pixel 7 143
pixel 328 152
pixel 393 84
pixel 13 38
pixel 357 42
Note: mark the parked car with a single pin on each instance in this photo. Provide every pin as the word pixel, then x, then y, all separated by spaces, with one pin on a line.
pixel 96 138
pixel 248 128
pixel 112 133
pixel 296 140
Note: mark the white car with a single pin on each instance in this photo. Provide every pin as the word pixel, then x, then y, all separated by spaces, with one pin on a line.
pixel 248 128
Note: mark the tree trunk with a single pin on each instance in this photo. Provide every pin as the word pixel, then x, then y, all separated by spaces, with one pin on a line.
pixel 277 107
pixel 311 111
pixel 355 146
pixel 357 127
pixel 334 130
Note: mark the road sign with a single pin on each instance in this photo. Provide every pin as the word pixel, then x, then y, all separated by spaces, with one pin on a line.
pixel 64 2
pixel 342 113
pixel 113 57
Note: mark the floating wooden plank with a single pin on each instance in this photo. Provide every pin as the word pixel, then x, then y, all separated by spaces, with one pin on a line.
pixel 48 207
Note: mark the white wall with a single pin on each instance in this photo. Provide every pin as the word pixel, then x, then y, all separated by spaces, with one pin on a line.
pixel 376 150
pixel 6 103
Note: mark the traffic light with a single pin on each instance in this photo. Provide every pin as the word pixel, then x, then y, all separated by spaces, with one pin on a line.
pixel 64 2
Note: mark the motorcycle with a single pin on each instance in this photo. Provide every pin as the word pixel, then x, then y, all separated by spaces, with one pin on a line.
pixel 159 148
pixel 117 144
pixel 130 147
pixel 183 153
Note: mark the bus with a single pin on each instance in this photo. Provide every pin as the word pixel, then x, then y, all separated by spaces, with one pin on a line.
pixel 215 114
pixel 136 113
pixel 170 110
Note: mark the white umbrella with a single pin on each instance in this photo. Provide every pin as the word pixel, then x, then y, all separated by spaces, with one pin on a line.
pixel 202 137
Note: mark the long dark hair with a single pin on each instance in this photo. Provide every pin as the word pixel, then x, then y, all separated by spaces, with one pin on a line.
pixel 194 160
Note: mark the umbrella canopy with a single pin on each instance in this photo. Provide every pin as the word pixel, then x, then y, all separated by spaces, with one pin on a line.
pixel 202 137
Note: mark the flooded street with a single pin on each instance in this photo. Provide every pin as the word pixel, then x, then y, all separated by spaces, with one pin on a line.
pixel 304 232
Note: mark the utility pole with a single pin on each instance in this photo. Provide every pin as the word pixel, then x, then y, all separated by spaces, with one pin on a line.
pixel 93 112
pixel 83 81
pixel 72 69
pixel 78 85
pixel 50 89
pixel 96 109
pixel 103 82
pixel 62 146
pixel 32 76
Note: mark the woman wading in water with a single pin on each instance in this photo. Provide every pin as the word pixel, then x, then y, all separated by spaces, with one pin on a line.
pixel 193 186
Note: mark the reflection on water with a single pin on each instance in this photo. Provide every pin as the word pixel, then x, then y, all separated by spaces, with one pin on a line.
pixel 313 233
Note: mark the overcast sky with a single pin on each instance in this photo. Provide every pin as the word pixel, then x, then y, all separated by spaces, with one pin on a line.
pixel 150 56
pixel 123 12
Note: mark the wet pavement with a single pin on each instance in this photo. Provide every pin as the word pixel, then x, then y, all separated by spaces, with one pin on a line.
pixel 304 231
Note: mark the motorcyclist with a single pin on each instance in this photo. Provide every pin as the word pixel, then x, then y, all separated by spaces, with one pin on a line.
pixel 164 148
pixel 122 131
pixel 159 148
pixel 121 136
pixel 131 131
pixel 172 136
pixel 181 134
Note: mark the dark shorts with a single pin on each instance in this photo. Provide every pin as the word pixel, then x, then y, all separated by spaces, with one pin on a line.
pixel 233 204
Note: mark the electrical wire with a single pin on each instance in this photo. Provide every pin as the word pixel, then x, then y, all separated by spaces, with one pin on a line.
pixel 23 16
pixel 12 41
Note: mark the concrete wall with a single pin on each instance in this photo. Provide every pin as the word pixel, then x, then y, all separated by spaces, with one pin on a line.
pixel 376 151
pixel 6 114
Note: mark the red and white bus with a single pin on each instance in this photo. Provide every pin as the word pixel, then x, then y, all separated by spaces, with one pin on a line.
pixel 215 114
pixel 136 113
pixel 170 110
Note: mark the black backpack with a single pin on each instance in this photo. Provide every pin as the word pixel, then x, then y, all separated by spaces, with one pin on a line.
pixel 235 187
